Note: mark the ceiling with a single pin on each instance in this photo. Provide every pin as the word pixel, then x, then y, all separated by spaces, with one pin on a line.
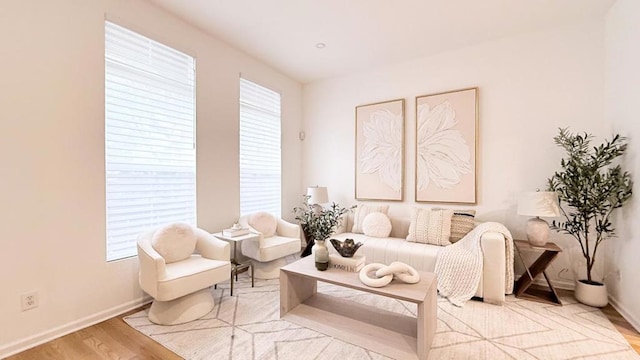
pixel 363 34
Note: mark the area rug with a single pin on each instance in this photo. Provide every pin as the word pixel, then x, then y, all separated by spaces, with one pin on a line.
pixel 247 326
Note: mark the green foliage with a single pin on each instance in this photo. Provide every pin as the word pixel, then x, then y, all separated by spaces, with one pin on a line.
pixel 318 223
pixel 592 187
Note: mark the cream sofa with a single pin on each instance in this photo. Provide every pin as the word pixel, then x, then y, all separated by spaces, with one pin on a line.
pixel 423 256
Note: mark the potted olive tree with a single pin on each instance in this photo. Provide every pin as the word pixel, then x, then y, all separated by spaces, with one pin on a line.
pixel 591 185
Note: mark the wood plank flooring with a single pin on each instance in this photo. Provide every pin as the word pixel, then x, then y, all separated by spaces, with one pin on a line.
pixel 113 339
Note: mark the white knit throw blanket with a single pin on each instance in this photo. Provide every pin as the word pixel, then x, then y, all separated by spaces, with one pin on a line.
pixel 459 266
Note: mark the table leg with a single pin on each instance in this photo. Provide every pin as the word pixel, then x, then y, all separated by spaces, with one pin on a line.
pixel 294 290
pixel 233 269
pixel 251 268
pixel 427 321
pixel 554 294
pixel 307 250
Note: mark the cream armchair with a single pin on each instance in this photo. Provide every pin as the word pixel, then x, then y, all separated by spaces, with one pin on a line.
pixel 276 239
pixel 178 264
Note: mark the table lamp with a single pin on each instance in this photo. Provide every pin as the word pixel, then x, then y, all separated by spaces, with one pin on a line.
pixel 538 203
pixel 317 195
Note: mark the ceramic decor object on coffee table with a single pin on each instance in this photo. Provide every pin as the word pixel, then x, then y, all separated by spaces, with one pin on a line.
pixel 388 333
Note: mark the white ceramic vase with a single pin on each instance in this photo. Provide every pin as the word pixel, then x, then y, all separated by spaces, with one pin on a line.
pixel 321 254
pixel 591 294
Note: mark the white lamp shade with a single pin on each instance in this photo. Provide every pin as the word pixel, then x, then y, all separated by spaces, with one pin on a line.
pixel 539 203
pixel 317 195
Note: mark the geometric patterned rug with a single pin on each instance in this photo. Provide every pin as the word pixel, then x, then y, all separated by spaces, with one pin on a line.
pixel 247 325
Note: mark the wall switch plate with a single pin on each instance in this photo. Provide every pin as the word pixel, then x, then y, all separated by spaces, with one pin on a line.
pixel 30 300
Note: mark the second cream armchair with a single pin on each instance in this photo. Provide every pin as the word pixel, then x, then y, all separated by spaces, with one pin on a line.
pixel 276 240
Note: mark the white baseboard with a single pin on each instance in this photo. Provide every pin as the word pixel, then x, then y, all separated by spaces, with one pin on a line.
pixel 48 335
pixel 635 322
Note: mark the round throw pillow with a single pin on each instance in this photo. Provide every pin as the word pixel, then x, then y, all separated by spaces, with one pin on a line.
pixel 377 225
pixel 174 242
pixel 264 222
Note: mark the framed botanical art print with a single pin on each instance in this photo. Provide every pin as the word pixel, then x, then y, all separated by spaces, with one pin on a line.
pixel 380 151
pixel 446 147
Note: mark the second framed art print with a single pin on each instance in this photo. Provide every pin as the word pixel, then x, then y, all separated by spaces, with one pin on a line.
pixel 446 147
pixel 380 151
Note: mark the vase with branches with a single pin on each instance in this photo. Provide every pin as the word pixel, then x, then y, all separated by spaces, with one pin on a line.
pixel 591 185
pixel 318 223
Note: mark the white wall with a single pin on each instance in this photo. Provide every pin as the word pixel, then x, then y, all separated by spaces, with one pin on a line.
pixel 529 85
pixel 622 96
pixel 52 157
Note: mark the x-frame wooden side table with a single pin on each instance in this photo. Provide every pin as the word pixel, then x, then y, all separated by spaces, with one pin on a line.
pixel 524 287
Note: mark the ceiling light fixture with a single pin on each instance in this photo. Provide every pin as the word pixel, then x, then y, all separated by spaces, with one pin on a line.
pixel 321 45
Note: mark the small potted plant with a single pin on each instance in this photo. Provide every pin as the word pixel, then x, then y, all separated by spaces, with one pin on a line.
pixel 591 186
pixel 318 223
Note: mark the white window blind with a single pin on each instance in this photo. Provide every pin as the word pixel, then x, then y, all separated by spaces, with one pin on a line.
pixel 260 168
pixel 149 137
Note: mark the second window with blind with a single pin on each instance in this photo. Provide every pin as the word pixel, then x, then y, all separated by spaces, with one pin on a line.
pixel 260 151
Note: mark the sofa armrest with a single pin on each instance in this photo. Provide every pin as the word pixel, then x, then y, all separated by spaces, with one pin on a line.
pixel 494 265
pixel 152 264
pixel 288 229
pixel 211 247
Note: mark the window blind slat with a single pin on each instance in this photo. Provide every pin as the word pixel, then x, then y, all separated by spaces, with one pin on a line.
pixel 260 150
pixel 149 138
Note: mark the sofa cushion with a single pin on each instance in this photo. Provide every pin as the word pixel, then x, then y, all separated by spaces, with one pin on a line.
pixel 362 211
pixel 376 224
pixel 264 222
pixel 430 226
pixel 174 242
pixel 462 222
pixel 387 250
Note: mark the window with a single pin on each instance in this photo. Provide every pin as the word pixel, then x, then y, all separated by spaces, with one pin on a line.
pixel 260 183
pixel 149 138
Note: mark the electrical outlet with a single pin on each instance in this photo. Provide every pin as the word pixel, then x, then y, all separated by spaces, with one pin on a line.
pixel 30 300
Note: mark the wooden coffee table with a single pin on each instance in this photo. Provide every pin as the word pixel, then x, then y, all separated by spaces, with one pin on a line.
pixel 388 333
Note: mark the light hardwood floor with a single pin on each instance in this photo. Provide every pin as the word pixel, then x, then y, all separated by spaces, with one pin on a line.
pixel 113 339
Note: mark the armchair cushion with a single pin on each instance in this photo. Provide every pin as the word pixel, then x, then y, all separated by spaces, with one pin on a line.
pixel 174 242
pixel 264 222
pixel 190 275
pixel 272 248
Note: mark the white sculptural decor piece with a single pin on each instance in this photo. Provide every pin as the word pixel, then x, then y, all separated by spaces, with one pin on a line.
pixel 384 274
pixel 380 151
pixel 446 143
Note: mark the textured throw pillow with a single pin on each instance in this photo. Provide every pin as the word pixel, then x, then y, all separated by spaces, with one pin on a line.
pixel 462 222
pixel 430 226
pixel 264 222
pixel 377 225
pixel 174 242
pixel 362 211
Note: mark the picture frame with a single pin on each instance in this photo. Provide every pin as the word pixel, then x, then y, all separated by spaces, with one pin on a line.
pixel 446 139
pixel 379 151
